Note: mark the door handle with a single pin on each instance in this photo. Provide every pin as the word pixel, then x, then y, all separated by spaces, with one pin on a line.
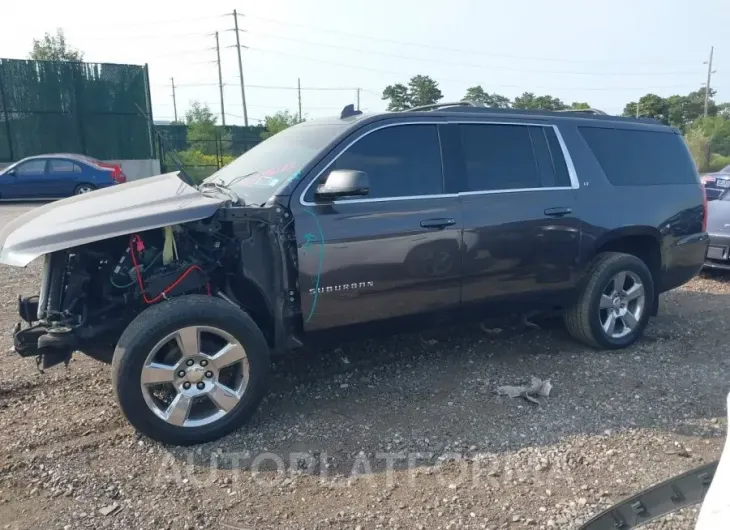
pixel 438 224
pixel 560 211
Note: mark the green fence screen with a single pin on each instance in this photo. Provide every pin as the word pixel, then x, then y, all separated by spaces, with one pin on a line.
pixel 87 108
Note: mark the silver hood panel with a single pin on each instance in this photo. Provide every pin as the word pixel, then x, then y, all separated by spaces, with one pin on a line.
pixel 118 210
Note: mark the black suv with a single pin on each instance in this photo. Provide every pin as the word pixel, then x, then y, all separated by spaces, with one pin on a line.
pixel 449 210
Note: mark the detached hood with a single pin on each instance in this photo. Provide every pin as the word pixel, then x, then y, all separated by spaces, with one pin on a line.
pixel 718 217
pixel 118 210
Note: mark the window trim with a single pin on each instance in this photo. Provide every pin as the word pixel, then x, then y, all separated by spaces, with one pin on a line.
pixel 574 183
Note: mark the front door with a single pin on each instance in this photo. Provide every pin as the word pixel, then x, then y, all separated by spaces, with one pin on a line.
pixel 26 181
pixel 393 253
pixel 521 235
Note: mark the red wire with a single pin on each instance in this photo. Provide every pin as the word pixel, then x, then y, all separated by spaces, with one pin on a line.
pixel 169 287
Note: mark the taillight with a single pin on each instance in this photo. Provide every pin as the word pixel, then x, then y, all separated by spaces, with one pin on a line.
pixel 118 175
pixel 704 211
pixel 707 179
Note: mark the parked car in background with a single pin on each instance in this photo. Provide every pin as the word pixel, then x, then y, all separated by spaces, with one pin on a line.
pixel 716 183
pixel 57 175
pixel 718 227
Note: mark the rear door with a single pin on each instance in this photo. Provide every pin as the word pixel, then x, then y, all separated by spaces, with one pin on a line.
pixel 394 253
pixel 27 181
pixel 521 237
pixel 62 177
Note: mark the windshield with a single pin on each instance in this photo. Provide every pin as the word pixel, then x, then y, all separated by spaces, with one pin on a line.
pixel 259 173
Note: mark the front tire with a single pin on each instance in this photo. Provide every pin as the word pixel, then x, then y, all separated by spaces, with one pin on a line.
pixel 190 370
pixel 614 302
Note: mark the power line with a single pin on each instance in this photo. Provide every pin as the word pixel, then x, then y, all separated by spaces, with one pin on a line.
pixel 499 85
pixel 461 63
pixel 444 48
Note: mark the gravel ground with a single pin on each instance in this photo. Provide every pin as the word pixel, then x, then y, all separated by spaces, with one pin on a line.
pixel 399 432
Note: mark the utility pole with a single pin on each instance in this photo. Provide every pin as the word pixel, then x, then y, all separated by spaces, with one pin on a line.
pixel 299 95
pixel 709 77
pixel 358 99
pixel 174 101
pixel 240 68
pixel 220 79
pixel 637 108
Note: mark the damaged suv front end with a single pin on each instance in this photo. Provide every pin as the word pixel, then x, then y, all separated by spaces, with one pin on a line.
pixel 160 257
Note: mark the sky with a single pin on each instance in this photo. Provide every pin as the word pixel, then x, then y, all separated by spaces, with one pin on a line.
pixel 605 53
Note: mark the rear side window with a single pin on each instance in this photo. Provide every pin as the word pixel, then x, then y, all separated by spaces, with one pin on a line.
pixel 63 166
pixel 640 158
pixel 401 161
pixel 499 157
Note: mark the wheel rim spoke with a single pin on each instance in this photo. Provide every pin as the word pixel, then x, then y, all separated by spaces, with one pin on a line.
pixel 179 409
pixel 606 301
pixel 223 397
pixel 188 340
pixel 635 291
pixel 629 320
pixel 610 324
pixel 156 373
pixel 618 281
pixel 228 355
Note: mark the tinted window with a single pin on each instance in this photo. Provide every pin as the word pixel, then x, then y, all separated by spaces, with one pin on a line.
pixel 562 177
pixel 400 161
pixel 62 166
pixel 641 158
pixel 32 166
pixel 499 157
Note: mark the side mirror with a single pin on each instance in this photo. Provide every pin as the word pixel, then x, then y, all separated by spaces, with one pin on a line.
pixel 10 173
pixel 343 183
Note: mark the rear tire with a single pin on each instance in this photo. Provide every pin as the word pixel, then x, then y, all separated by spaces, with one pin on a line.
pixel 607 315
pixel 222 406
pixel 83 188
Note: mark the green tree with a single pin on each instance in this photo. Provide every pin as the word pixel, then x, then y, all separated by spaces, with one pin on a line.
pixel 576 105
pixel 650 106
pixel 421 90
pixel 54 48
pixel 529 100
pixel 203 134
pixel 478 95
pixel 278 122
pixel 717 130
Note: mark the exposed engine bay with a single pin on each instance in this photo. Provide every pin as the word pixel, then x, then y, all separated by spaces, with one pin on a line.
pixel 89 294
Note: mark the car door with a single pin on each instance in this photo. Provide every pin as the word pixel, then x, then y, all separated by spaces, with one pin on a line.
pixel 393 253
pixel 62 178
pixel 26 181
pixel 521 235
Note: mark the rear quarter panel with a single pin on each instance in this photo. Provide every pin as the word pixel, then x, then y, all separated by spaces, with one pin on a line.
pixel 672 214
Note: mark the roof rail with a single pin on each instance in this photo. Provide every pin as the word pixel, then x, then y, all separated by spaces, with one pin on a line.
pixel 585 111
pixel 434 106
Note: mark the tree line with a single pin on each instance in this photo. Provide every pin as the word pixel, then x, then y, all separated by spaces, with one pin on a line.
pixel 708 138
